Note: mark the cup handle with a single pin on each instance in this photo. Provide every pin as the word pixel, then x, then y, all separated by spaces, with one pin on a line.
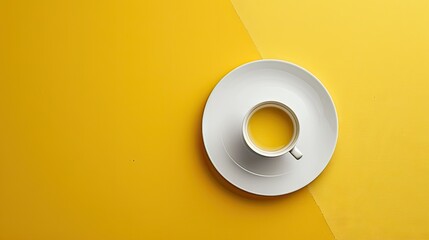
pixel 296 153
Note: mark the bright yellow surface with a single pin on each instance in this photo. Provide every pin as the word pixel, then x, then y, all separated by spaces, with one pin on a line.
pixel 373 56
pixel 270 128
pixel 100 122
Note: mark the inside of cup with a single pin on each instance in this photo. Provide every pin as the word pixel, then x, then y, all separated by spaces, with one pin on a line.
pixel 268 151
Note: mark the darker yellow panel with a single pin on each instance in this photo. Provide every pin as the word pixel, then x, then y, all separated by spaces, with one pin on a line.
pixel 100 119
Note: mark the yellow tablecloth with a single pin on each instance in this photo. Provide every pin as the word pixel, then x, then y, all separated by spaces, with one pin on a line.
pixel 101 104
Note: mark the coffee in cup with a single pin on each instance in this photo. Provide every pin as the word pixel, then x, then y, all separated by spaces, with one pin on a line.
pixel 271 129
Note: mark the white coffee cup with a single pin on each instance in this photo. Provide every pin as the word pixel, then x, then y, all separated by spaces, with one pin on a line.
pixel 291 147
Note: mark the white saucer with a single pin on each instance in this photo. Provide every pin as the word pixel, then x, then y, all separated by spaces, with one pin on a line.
pixel 236 94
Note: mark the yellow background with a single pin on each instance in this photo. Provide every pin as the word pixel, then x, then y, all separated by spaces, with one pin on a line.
pixel 101 104
pixel 373 56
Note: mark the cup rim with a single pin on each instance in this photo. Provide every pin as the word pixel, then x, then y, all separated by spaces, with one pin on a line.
pixel 268 153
